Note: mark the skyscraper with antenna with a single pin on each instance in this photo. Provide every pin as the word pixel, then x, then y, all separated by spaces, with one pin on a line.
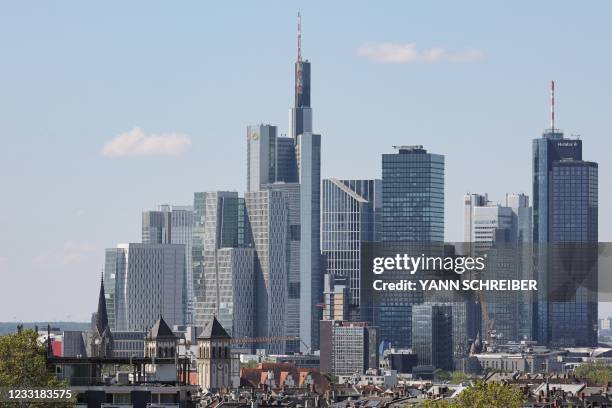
pixel 292 166
pixel 551 147
pixel 300 115
pixel 565 216
pixel 308 160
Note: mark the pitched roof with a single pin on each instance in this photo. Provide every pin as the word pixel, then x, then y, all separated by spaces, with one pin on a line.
pixel 214 330
pixel 160 330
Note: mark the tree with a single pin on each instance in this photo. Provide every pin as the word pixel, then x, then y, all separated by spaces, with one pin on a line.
pixel 597 373
pixel 23 365
pixel 487 395
pixel 483 395
pixel 441 375
pixel 458 377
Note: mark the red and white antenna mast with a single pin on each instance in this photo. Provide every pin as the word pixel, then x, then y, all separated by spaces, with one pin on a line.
pixel 299 38
pixel 552 106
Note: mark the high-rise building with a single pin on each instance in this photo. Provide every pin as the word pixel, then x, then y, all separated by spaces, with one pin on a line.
pixel 219 222
pixel 268 216
pixel 522 215
pixel 146 280
pixel 348 348
pixel 490 223
pixel 335 298
pixel 233 290
pixel 270 158
pixel 412 196
pixel 350 215
pixel 469 202
pixel 550 148
pixel 173 224
pixel 261 156
pixel 432 335
pixel 291 193
pixel 572 258
pixel 311 294
pixel 503 233
pixel 565 217
pixel 412 221
pixel 156 227
pixel 308 160
pixel 295 159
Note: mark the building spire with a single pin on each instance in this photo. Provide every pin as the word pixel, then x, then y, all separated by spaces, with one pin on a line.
pixel 101 316
pixel 552 106
pixel 299 37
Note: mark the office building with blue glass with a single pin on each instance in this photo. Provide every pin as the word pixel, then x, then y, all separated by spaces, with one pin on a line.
pixel 413 195
pixel 432 335
pixel 565 217
pixel 350 216
pixel 412 217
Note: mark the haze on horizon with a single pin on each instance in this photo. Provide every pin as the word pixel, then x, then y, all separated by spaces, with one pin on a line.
pixel 111 109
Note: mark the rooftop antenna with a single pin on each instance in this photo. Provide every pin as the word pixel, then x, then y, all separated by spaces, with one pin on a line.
pixel 552 106
pixel 299 37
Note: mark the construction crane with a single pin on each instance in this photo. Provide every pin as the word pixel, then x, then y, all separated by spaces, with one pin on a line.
pixel 268 339
pixel 265 339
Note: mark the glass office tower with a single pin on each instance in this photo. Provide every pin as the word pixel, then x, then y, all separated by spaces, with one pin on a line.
pixel 173 224
pixel 432 335
pixel 311 278
pixel 268 213
pixel 270 158
pixel 217 221
pixel 413 196
pixel 550 148
pixel 144 281
pixel 291 193
pixel 350 215
pixel 565 217
pixel 412 220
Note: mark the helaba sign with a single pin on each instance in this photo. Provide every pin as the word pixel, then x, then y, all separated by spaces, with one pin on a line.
pixel 567 144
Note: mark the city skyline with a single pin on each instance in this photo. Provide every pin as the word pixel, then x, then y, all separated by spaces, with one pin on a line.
pixel 71 232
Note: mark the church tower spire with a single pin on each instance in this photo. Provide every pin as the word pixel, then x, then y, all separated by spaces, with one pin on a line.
pixel 102 315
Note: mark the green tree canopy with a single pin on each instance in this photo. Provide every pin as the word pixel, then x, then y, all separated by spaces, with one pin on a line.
pixel 483 395
pixel 23 364
pixel 458 377
pixel 596 373
pixel 442 375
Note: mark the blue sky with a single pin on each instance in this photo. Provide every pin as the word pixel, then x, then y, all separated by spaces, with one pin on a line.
pixel 465 79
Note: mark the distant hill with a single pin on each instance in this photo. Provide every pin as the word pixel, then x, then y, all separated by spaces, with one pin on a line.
pixel 11 327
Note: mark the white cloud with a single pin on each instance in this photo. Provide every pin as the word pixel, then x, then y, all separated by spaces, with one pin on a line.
pixel 137 143
pixel 72 252
pixel 408 53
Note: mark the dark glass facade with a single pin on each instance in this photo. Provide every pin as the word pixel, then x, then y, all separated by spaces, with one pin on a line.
pixel 413 196
pixel 286 164
pixel 551 147
pixel 412 220
pixel 565 218
pixel 156 227
pixel 574 208
pixel 572 278
pixel 432 335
